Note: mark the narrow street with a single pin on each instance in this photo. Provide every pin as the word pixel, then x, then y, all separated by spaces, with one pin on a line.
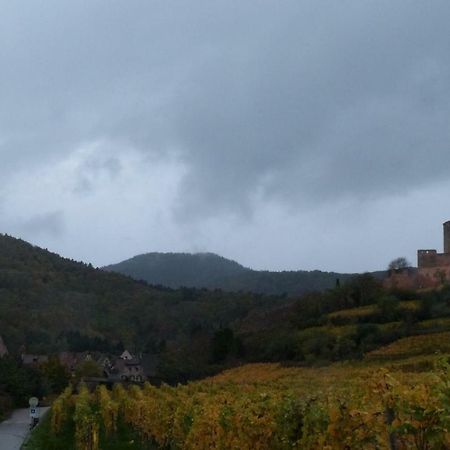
pixel 14 430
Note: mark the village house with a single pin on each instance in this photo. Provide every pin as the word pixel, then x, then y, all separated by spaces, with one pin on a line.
pixel 71 360
pixel 129 368
pixel 126 368
pixel 104 363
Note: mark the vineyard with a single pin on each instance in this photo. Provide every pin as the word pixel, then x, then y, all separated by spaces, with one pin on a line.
pixel 368 310
pixel 414 345
pixel 267 406
pixel 393 393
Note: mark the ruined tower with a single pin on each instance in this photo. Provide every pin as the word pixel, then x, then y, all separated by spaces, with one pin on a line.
pixel 447 237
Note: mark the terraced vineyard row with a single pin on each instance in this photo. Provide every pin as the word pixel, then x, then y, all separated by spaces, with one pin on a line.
pixel 433 343
pixel 368 310
pixel 266 406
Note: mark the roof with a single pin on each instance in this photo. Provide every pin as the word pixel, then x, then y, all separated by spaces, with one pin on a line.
pixel 34 359
pixel 126 355
pixel 132 362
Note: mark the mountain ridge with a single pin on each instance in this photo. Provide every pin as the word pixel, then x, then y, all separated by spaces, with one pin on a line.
pixel 212 271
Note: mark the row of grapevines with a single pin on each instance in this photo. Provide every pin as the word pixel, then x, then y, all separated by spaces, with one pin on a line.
pixel 413 345
pixel 61 411
pixel 349 409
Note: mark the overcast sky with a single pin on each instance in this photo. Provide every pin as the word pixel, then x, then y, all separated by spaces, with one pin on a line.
pixel 282 134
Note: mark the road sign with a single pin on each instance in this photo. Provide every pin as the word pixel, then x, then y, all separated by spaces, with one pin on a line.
pixel 33 402
pixel 34 412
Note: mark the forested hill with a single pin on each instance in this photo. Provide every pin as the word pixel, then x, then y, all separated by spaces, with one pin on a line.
pixel 213 271
pixel 180 269
pixel 50 304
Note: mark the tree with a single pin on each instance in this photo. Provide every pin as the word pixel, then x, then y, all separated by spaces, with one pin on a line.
pixel 364 289
pixel 88 368
pixel 222 344
pixel 56 374
pixel 19 382
pixel 398 264
pixel 388 306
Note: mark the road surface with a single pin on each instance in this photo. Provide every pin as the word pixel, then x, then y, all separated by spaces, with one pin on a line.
pixel 14 430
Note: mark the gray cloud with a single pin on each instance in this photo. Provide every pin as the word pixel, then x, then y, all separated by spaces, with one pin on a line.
pixel 255 87
pixel 297 103
pixel 321 113
pixel 91 170
pixel 50 223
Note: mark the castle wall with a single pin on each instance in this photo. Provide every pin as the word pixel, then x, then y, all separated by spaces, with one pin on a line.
pixel 430 259
pixel 433 268
pixel 401 280
pixel 426 258
pixel 447 237
pixel 432 277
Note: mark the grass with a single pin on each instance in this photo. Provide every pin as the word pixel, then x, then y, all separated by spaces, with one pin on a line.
pixel 42 439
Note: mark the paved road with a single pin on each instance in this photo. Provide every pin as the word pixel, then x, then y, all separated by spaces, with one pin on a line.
pixel 14 430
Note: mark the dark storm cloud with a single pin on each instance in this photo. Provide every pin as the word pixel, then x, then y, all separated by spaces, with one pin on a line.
pixel 303 102
pixel 340 101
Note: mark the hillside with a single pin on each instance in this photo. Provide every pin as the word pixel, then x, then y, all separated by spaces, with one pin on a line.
pixel 390 392
pixel 49 303
pixel 351 356
pixel 207 270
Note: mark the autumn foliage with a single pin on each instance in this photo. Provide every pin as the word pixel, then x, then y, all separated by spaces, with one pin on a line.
pixel 266 406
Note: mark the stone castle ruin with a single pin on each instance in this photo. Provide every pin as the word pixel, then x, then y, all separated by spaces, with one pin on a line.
pixel 433 268
pixel 427 259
